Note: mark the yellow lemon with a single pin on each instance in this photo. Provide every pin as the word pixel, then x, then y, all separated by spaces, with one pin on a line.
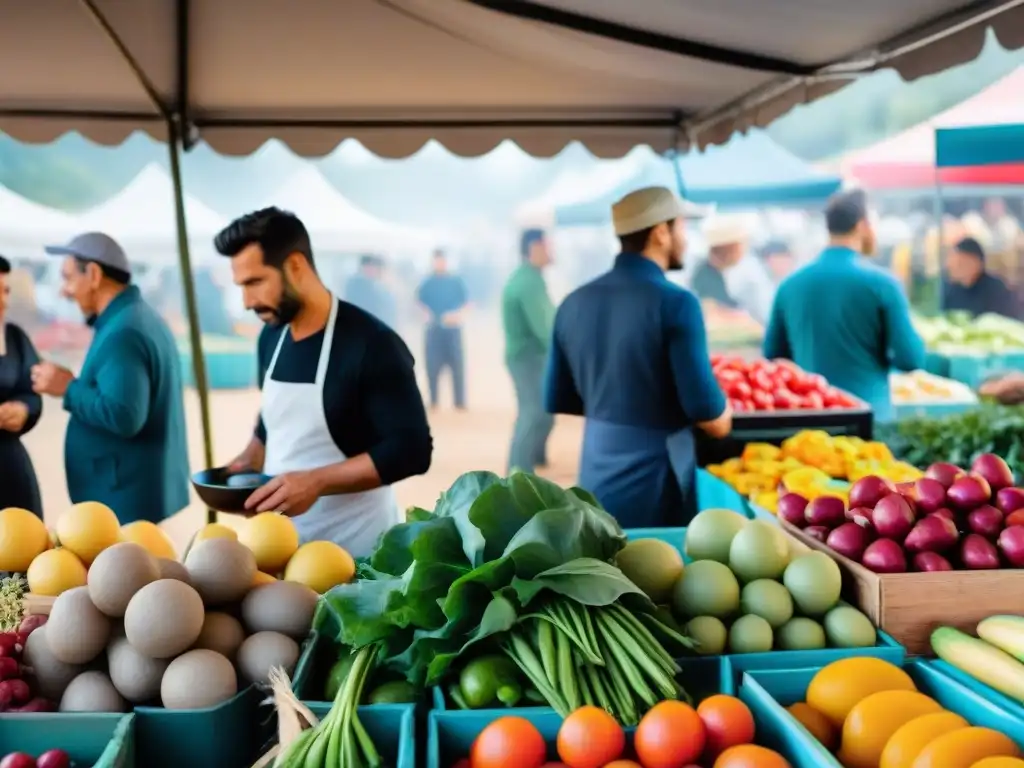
pixel 873 721
pixel 150 537
pixel 216 531
pixel 840 686
pixel 965 747
pixel 320 565
pixel 87 529
pixel 272 537
pixel 22 537
pixel 262 578
pixel 55 571
pixel 913 736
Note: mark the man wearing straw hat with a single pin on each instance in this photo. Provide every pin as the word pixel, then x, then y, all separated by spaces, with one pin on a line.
pixel 630 353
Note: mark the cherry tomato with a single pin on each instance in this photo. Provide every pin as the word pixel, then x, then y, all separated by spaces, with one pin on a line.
pixel 738 406
pixel 739 390
pixel 761 380
pixel 785 400
pixel 762 400
pixel 816 383
pixel 814 401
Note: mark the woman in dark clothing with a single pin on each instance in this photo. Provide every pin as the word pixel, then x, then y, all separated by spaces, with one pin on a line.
pixel 20 409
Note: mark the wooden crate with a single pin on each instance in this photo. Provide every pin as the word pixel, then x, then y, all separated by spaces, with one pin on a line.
pixel 910 605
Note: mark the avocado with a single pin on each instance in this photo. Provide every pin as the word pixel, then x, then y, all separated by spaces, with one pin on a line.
pixel 985 663
pixel 1005 633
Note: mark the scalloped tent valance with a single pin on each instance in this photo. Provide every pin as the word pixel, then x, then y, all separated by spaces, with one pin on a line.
pixel 469 73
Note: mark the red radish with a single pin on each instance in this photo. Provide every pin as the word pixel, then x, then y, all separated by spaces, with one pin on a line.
pixel 944 473
pixel 54 758
pixel 931 561
pixel 994 469
pixel 861 516
pixel 932 534
pixel 869 490
pixel 819 532
pixel 986 520
pixel 884 556
pixel 791 509
pixel 18 760
pixel 1011 543
pixel 946 513
pixel 14 691
pixel 930 495
pixel 978 553
pixel 8 644
pixel 828 511
pixel 893 517
pixel 9 668
pixel 1015 518
pixel 968 492
pixel 1010 499
pixel 849 540
pixel 36 705
pixel 29 625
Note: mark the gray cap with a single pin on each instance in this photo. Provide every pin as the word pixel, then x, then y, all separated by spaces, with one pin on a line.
pixel 96 247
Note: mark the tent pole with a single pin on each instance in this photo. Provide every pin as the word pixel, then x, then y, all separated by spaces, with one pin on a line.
pixel 174 138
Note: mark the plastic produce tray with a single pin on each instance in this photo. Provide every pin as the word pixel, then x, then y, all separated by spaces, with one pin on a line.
pixel 91 739
pixel 230 735
pixel 775 426
pixel 1001 700
pixel 392 728
pixel 931 410
pixel 450 734
pixel 765 690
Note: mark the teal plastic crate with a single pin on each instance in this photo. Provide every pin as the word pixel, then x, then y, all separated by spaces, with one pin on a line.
pixel 450 734
pixel 739 663
pixel 315 662
pixel 1001 700
pixel 229 735
pixel 764 691
pixel 392 728
pixel 715 493
pixel 937 364
pixel 99 740
pixel 974 370
pixel 931 411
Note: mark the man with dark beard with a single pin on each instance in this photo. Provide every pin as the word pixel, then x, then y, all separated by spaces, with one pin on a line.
pixel 630 354
pixel 341 418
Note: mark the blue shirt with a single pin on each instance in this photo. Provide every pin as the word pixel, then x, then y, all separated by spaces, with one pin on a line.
pixel 848 320
pixel 442 293
pixel 630 348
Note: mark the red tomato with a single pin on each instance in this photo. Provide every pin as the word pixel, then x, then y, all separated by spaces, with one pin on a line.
pixel 729 375
pixel 761 380
pixel 748 405
pixel 739 390
pixel 785 400
pixel 816 383
pixel 762 400
pixel 814 401
pixel 738 406
pixel 508 742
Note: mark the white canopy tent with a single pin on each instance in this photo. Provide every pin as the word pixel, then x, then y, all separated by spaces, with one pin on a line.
pixel 137 217
pixel 335 223
pixel 25 226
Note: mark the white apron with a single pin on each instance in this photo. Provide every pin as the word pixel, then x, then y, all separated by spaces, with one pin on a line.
pixel 298 439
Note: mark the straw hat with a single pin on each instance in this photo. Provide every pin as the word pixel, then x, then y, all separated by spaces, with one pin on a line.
pixel 648 207
pixel 725 230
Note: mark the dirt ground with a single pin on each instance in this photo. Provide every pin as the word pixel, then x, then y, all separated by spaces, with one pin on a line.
pixel 475 439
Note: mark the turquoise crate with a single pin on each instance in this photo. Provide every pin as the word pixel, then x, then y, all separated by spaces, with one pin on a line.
pixel 450 734
pixel 937 364
pixel 392 728
pixel 739 663
pixel 715 493
pixel 764 691
pixel 674 536
pixel 974 370
pixel 94 739
pixel 932 411
pixel 229 735
pixel 701 677
pixel 1001 700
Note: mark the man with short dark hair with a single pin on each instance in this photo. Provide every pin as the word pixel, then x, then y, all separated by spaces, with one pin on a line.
pixel 843 317
pixel 444 298
pixel 342 418
pixel 366 289
pixel 126 444
pixel 630 354
pixel 970 288
pixel 528 317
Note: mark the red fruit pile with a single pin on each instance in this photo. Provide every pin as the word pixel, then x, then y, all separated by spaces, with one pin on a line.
pixel 775 385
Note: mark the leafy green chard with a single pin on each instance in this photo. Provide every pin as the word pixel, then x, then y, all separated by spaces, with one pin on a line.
pixel 445 581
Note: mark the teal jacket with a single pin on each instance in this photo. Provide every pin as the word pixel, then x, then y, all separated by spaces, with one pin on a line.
pixel 847 319
pixel 126 445
pixel 527 314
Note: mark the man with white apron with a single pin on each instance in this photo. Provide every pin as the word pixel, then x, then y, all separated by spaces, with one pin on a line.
pixel 342 418
pixel 630 354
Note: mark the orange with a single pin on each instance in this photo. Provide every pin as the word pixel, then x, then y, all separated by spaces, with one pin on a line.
pixel 670 735
pixel 840 686
pixel 727 722
pixel 871 724
pixel 87 529
pixel 820 727
pixel 751 756
pixel 260 578
pixel 910 738
pixel 273 539
pixel 55 571
pixel 1000 762
pixel 508 742
pixel 22 537
pixel 590 738
pixel 150 537
pixel 964 747
pixel 320 565
pixel 621 764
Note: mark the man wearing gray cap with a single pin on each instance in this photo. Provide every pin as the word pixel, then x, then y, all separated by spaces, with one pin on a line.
pixel 125 444
pixel 630 354
pixel 843 317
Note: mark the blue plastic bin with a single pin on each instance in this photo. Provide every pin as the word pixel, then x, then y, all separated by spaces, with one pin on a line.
pixel 99 740
pixel 974 370
pixel 932 411
pixel 392 728
pixel 1001 700
pixel 715 493
pixel 764 691
pixel 450 734
pixel 739 663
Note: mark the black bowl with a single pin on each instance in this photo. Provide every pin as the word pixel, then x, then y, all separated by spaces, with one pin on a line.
pixel 213 488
